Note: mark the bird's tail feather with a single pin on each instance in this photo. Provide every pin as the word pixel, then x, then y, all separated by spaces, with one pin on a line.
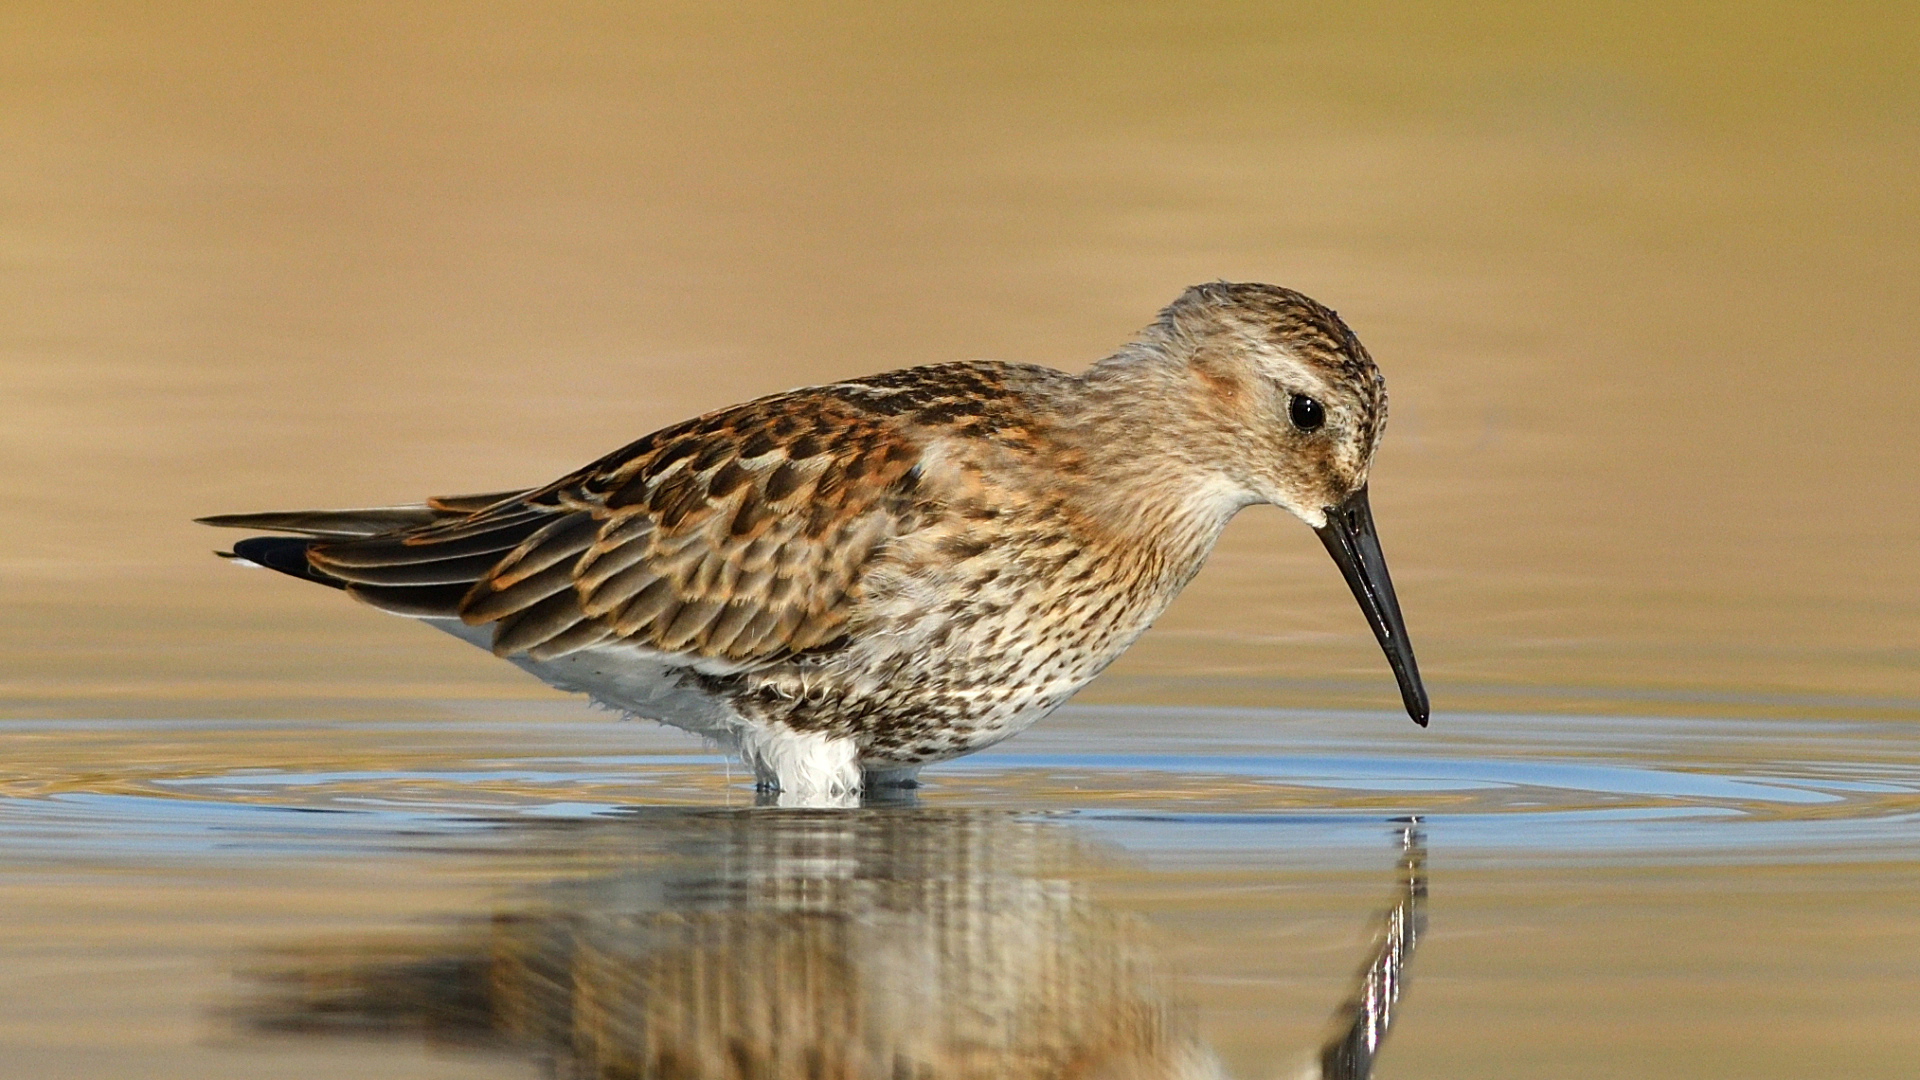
pixel 330 547
pixel 287 554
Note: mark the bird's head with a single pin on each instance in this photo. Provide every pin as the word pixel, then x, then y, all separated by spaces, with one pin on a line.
pixel 1293 410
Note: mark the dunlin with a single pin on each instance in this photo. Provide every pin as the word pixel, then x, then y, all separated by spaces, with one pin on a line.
pixel 844 583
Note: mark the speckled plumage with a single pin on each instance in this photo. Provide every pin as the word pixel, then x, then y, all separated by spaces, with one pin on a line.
pixel 864 577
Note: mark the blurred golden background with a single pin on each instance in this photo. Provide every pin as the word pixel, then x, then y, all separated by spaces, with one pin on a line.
pixel 1644 280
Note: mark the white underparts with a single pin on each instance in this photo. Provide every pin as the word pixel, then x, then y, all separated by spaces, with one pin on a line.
pixel 803 764
pixel 808 768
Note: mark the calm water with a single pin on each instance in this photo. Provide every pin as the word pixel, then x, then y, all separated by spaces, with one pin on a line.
pixel 1596 897
pixel 1644 282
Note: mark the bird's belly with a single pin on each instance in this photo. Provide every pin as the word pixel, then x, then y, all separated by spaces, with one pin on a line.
pixel 629 681
pixel 916 732
pixel 910 703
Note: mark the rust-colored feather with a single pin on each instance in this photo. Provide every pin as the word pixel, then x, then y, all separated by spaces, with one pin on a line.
pixel 737 538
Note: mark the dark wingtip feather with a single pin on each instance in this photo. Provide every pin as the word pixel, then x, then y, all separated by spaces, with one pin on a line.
pixel 287 554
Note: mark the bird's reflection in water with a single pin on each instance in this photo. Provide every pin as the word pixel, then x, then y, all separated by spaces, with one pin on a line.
pixel 885 942
pixel 1362 1021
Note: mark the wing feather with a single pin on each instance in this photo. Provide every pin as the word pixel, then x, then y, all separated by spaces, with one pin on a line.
pixel 487 602
pixel 448 571
pixel 536 624
pixel 438 542
pixel 582 635
pixel 420 602
pixel 329 524
pixel 715 540
pixel 631 619
pixel 472 504
pixel 733 540
pixel 559 541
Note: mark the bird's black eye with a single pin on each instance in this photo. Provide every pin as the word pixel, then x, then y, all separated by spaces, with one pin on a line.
pixel 1306 413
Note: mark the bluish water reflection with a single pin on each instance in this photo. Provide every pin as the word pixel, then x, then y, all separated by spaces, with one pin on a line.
pixel 1155 781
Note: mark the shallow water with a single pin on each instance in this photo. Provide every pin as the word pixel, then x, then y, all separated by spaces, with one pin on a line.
pixel 1600 897
pixel 1644 281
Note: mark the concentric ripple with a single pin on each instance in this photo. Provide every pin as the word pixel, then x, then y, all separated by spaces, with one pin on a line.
pixel 1488 786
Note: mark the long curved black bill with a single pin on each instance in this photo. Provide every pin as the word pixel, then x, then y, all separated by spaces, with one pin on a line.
pixel 1351 541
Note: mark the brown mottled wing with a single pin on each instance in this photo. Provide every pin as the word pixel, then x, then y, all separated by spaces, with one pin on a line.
pixel 731 540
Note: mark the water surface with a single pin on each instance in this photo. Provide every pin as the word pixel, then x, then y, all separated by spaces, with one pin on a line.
pixel 1198 893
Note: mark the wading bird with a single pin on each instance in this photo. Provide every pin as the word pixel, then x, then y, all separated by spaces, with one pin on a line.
pixel 844 583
